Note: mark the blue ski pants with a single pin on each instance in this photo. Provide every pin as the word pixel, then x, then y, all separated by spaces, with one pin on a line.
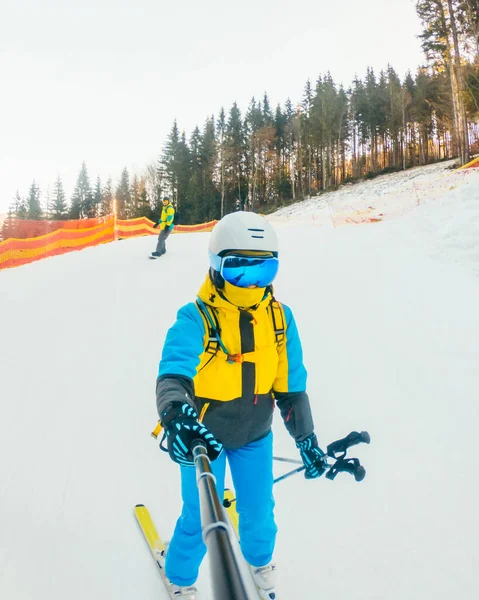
pixel 252 472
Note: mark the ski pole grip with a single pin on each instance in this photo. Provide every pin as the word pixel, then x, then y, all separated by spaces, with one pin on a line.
pixel 359 473
pixel 352 439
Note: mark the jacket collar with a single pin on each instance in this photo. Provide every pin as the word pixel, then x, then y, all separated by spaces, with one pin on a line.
pixel 210 295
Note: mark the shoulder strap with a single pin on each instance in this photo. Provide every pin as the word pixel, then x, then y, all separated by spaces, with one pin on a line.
pixel 277 315
pixel 214 342
pixel 212 325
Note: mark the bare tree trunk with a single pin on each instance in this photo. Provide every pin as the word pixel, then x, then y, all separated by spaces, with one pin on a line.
pixel 355 157
pixel 309 169
pixel 222 190
pixel 457 90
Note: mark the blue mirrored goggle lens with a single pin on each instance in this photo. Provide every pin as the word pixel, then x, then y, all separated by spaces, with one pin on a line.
pixel 244 271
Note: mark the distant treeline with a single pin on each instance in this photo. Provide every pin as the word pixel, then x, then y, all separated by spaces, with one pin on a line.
pixel 269 156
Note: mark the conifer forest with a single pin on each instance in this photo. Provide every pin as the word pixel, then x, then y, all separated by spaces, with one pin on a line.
pixel 268 155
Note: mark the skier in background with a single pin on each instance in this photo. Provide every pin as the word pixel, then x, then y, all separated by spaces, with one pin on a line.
pixel 222 361
pixel 166 224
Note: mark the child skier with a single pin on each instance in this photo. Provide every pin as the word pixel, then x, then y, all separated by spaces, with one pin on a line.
pixel 222 361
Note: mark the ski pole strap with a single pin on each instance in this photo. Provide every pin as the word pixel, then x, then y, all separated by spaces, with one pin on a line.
pixel 347 465
pixel 341 463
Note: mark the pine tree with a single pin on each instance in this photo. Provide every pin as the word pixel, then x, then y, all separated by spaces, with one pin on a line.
pixel 34 208
pixel 195 194
pixel 235 151
pixel 123 196
pixel 97 198
pixel 469 17
pixel 47 203
pixel 170 161
pixel 106 207
pixel 145 206
pixel 135 197
pixel 155 184
pixel 221 133
pixel 394 116
pixel 282 179
pixel 254 121
pixel 82 198
pixel 8 229
pixel 183 202
pixel 20 207
pixel 267 114
pixel 59 205
pixel 211 201
pixel 440 42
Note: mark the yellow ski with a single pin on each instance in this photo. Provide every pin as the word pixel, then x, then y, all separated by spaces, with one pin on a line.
pixel 155 543
pixel 229 503
pixel 150 534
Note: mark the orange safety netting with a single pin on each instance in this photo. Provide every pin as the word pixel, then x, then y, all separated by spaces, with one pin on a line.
pixel 50 238
pixel 15 252
pixel 473 163
pixel 143 226
pixel 25 228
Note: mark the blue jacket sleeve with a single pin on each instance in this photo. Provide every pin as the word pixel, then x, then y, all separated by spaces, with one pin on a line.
pixel 184 344
pixel 182 350
pixel 290 384
pixel 291 375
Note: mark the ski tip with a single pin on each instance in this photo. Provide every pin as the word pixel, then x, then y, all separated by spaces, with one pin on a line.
pixel 139 506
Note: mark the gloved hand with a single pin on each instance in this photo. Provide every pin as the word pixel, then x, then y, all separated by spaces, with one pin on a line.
pixel 155 225
pixel 180 422
pixel 313 457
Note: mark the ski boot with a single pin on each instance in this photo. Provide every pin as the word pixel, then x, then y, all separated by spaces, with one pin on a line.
pixel 184 593
pixel 265 580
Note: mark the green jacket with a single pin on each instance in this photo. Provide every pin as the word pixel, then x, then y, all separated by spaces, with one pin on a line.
pixel 167 217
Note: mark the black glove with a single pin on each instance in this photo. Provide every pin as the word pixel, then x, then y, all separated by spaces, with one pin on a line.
pixel 181 425
pixel 155 225
pixel 313 457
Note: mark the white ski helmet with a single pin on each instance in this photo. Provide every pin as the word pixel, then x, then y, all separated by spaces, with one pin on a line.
pixel 242 231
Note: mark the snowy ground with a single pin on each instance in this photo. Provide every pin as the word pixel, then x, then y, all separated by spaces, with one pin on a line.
pixel 389 318
pixel 383 198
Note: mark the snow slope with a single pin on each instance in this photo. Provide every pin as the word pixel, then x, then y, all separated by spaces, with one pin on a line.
pixel 390 328
pixel 383 198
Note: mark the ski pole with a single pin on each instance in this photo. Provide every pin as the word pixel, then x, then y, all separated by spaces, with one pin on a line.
pixel 286 475
pixel 341 464
pixel 293 461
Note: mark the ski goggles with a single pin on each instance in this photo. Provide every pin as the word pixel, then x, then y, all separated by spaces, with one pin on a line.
pixel 247 269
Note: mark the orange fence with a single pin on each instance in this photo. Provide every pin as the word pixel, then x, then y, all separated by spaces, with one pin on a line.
pixel 143 226
pixel 473 163
pixel 59 237
pixel 25 228
pixel 15 252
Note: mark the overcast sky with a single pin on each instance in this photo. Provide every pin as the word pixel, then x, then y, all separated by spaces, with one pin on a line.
pixel 103 80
